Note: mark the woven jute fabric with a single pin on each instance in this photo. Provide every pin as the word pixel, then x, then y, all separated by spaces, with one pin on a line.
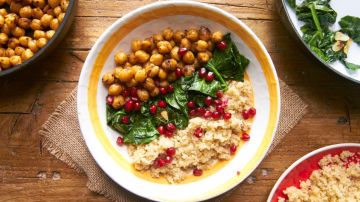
pixel 61 136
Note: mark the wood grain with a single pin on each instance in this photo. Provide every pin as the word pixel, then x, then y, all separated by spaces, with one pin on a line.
pixel 29 97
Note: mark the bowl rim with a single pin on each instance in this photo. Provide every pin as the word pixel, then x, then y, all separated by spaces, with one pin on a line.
pixel 67 19
pixel 303 158
pixel 284 5
pixel 151 6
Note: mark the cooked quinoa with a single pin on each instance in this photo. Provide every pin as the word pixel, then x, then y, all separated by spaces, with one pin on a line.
pixel 335 181
pixel 192 152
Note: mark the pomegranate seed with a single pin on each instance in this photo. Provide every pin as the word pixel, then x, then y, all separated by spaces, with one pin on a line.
pixel 153 109
pixel 200 111
pixel 129 106
pixel 125 119
pixel 171 151
pixel 169 134
pixel 159 163
pixel 233 149
pixel 137 106
pixel 216 115
pixel 198 132
pixel 210 76
pixel 109 99
pixel 197 172
pixel 218 102
pixel 161 103
pixel 170 89
pixel 220 109
pixel 252 112
pixel 161 130
pixel 178 72
pixel 202 72
pixel 245 114
pixel 163 90
pixel 191 104
pixel 245 136
pixel 227 116
pixel 208 100
pixel 120 141
pixel 219 94
pixel 182 51
pixel 222 45
pixel 126 93
pixel 193 112
pixel 168 159
pixel 171 127
pixel 133 92
pixel 207 114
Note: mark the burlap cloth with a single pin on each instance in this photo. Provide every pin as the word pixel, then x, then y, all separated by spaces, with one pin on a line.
pixel 61 136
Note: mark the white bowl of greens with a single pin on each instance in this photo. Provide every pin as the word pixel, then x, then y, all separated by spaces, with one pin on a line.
pixel 330 30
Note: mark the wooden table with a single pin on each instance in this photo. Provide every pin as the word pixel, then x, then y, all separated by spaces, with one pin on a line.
pixel 28 98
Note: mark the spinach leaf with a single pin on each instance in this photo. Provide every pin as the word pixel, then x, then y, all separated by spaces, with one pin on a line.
pixel 292 3
pixel 142 132
pixel 351 26
pixel 208 88
pixel 228 64
pixel 350 65
pixel 113 118
pixel 177 99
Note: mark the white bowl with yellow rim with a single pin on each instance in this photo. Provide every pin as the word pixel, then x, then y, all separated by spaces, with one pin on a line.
pixel 141 23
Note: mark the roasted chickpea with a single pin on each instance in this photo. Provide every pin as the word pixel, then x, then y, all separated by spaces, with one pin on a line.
pixel 32 46
pixel 24 41
pixel 180 65
pixel 178 36
pixel 142 94
pixel 46 8
pixel 18 32
pixel 154 71
pixel 57 11
pixel 155 92
pixel 41 42
pixel 19 50
pixel 124 75
pixel 2 52
pixel 54 3
pixel 115 89
pixel 15 6
pixel 154 51
pixel 149 84
pixel 9 52
pixel 175 53
pixel 147 44
pixel 204 33
pixel 15 60
pixel 11 20
pixel 39 3
pixel 3 38
pixel 192 35
pixel 135 69
pixel 189 57
pixel 46 20
pixel 51 12
pixel 64 4
pixel 135 45
pixel 26 12
pixel 188 70
pixel 118 102
pixel 39 34
pixel 156 59
pixel 169 64
pixel 132 58
pixel 127 65
pixel 2 20
pixel 27 54
pixel 210 45
pixel 141 56
pixel 108 78
pixel 164 47
pixel 140 75
pixel 36 24
pixel 162 74
pixel 172 77
pixel 5 62
pixel 54 24
pixel 131 83
pixel 13 43
pixel 164 84
pixel 217 37
pixel 157 38
pixel 5 29
pixel 185 43
pixel 49 34
pixel 3 12
pixel 37 13
pixel 60 17
pixel 24 23
pixel 203 57
pixel 172 43
pixel 168 34
pixel 120 58
pixel 201 46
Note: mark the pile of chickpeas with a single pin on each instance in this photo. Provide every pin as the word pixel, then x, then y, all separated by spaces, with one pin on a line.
pixel 155 62
pixel 26 26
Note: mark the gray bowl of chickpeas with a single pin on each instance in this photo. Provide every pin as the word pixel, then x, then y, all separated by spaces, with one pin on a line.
pixel 30 29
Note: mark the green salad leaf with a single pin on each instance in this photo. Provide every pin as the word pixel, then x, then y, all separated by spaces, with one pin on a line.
pixel 208 88
pixel 350 65
pixel 351 26
pixel 142 132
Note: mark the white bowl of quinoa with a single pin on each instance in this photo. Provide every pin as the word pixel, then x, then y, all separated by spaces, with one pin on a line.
pixel 331 173
pixel 178 101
